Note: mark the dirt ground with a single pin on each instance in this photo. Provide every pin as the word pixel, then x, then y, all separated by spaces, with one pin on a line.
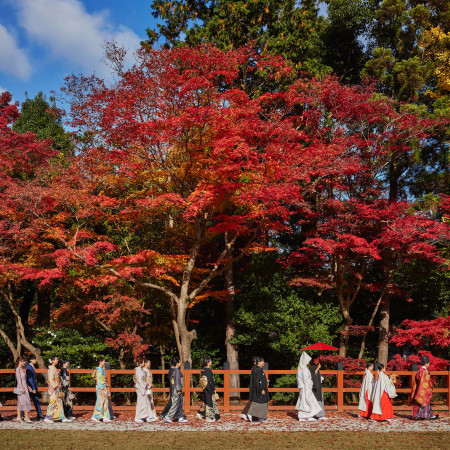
pixel 34 439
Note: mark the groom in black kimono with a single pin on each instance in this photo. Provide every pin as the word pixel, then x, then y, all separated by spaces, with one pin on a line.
pixel 317 385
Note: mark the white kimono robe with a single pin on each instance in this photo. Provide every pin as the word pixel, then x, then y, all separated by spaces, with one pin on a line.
pixel 366 386
pixel 143 407
pixel 307 404
pixel 383 384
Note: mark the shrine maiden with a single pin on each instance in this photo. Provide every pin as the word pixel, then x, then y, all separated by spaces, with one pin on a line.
pixel 365 405
pixel 383 392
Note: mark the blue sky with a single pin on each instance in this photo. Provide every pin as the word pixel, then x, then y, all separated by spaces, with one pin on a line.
pixel 42 41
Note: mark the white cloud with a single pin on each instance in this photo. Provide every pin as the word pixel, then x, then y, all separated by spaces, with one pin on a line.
pixel 68 31
pixel 13 60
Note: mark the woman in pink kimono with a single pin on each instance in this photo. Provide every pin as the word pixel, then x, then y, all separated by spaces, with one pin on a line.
pixel 23 399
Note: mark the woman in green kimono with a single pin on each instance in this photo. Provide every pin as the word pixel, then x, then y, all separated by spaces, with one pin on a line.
pixel 101 410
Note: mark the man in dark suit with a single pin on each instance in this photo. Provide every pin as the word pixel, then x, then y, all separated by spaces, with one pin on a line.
pixel 33 385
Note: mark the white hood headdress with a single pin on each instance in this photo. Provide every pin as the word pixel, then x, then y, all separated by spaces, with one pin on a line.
pixel 304 360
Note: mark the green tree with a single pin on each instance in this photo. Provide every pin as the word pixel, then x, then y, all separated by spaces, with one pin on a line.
pixel 44 119
pixel 344 35
pixel 276 319
pixel 281 27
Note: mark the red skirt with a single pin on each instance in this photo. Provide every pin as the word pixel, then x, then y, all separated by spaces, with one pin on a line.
pixel 387 411
pixel 368 410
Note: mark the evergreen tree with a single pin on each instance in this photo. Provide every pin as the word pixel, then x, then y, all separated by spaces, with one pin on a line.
pixel 281 27
pixel 44 119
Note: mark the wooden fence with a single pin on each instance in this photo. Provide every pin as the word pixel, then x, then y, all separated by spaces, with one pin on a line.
pixel 225 405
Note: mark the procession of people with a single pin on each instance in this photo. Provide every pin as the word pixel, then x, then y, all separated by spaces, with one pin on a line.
pixel 375 399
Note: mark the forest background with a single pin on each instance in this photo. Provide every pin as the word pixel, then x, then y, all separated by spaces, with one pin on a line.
pixel 264 177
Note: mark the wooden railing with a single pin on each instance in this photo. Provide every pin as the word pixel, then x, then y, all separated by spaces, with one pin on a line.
pixel 225 405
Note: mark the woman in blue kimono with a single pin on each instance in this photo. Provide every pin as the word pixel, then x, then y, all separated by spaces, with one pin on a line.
pixel 101 410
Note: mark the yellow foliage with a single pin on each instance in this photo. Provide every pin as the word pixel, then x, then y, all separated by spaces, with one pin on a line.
pixel 435 47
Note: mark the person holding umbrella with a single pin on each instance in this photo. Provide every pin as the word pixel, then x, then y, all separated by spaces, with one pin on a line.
pixel 316 376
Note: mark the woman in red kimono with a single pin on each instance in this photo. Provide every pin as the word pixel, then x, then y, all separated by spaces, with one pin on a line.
pixel 421 392
pixel 383 391
pixel 365 405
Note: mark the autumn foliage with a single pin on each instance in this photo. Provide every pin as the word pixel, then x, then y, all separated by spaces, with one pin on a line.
pixel 425 334
pixel 179 172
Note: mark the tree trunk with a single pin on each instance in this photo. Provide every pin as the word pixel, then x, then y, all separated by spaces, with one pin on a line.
pixel 393 179
pixel 232 350
pixel 21 340
pixel 343 343
pixel 344 305
pixel 43 316
pixel 163 367
pixel 183 336
pixel 27 300
pixel 374 313
pixel 383 343
pixel 123 366
pixel 14 351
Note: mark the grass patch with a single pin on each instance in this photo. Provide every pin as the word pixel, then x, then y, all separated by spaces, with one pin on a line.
pixel 221 439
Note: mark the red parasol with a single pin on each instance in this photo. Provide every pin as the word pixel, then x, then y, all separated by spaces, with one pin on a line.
pixel 320 346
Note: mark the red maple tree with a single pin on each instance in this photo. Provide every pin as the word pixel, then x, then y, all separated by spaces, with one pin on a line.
pixel 23 159
pixel 356 237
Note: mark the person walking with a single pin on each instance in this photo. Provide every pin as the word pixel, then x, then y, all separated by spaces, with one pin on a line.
pixel 55 409
pixel 23 397
pixel 33 385
pixel 67 400
pixel 365 394
pixel 307 405
pixel 316 378
pixel 166 409
pixel 143 410
pixel 383 392
pixel 176 394
pixel 152 417
pixel 244 413
pixel 209 391
pixel 259 393
pixel 101 411
pixel 421 392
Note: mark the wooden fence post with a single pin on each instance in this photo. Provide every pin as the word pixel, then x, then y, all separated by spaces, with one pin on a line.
pixel 226 386
pixel 414 369
pixel 340 387
pixel 108 376
pixel 448 387
pixel 187 386
pixel 108 381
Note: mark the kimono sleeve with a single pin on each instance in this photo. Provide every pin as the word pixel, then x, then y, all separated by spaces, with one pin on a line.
pixel 390 388
pixel 300 380
pixel 178 386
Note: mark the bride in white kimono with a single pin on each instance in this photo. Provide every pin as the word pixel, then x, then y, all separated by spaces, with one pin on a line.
pixel 307 405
